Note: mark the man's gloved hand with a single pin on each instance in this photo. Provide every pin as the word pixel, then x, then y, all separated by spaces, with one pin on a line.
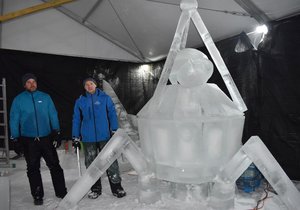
pixel 18 147
pixel 112 133
pixel 56 138
pixel 76 143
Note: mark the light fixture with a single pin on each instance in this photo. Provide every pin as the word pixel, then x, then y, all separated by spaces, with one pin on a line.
pixel 262 29
pixel 143 70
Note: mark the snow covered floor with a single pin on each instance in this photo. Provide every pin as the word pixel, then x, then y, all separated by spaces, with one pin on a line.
pixel 21 198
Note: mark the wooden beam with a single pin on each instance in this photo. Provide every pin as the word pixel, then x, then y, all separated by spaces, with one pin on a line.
pixel 36 8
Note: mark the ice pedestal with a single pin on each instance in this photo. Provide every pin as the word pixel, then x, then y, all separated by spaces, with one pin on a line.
pixel 148 184
pixel 222 196
pixel 148 188
pixel 190 192
pixel 119 143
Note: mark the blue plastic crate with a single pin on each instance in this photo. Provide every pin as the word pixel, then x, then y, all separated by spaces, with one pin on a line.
pixel 250 179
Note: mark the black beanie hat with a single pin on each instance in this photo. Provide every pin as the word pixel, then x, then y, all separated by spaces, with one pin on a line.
pixel 27 77
pixel 89 79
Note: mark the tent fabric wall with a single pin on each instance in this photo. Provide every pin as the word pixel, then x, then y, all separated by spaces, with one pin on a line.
pixel 267 80
pixel 59 76
pixel 279 72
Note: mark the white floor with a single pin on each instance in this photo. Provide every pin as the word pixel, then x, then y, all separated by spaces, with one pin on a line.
pixel 21 198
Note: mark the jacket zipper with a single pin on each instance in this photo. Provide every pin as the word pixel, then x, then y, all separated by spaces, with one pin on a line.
pixel 36 120
pixel 94 117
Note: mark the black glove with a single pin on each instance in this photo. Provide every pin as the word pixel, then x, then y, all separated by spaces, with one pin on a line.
pixel 112 133
pixel 76 143
pixel 56 138
pixel 18 147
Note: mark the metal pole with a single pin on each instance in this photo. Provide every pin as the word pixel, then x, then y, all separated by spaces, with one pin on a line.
pixel 78 161
pixel 5 120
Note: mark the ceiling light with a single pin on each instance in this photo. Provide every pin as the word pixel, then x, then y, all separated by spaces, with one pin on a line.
pixel 261 29
pixel 143 70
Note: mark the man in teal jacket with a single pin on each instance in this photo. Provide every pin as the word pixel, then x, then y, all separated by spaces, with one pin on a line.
pixel 34 124
pixel 94 120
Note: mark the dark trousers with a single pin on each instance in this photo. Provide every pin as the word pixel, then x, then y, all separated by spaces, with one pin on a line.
pixel 91 150
pixel 33 151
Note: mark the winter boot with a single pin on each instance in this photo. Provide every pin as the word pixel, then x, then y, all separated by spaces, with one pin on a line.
pixel 61 195
pixel 96 190
pixel 38 201
pixel 38 196
pixel 93 195
pixel 119 193
pixel 117 190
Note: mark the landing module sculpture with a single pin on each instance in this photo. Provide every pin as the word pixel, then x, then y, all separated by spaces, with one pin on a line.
pixel 190 132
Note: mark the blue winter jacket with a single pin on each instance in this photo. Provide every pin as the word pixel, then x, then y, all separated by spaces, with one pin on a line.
pixel 33 114
pixel 94 117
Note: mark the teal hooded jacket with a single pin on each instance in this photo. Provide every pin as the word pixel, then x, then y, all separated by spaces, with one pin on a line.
pixel 33 114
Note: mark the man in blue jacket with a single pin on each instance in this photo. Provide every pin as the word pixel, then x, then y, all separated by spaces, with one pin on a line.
pixel 34 124
pixel 94 121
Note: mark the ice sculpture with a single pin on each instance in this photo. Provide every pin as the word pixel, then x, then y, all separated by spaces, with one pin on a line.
pixel 125 122
pixel 196 127
pixel 190 132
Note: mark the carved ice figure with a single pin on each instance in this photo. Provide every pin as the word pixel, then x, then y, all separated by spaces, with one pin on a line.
pixel 195 129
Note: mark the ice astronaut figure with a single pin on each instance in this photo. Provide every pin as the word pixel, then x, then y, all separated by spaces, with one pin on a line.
pixel 195 129
pixel 190 131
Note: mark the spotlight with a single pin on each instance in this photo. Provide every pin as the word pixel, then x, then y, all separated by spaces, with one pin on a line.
pixel 143 70
pixel 261 29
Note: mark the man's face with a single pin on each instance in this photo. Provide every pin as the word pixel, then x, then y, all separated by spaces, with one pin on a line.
pixel 31 85
pixel 90 87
